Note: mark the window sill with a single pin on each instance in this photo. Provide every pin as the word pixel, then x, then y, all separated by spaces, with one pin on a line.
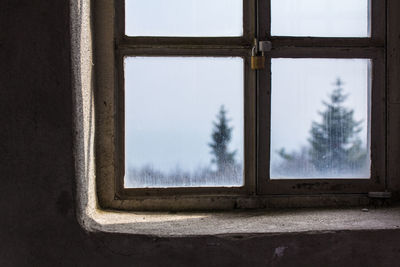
pixel 181 224
pixel 244 222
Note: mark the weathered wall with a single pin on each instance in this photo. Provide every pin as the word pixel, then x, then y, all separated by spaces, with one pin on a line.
pixel 38 225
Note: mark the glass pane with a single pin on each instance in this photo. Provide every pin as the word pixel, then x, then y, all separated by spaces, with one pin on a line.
pixel 320 119
pixel 323 18
pixel 199 18
pixel 183 121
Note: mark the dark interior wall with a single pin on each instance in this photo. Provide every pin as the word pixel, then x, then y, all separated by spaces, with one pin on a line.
pixel 38 225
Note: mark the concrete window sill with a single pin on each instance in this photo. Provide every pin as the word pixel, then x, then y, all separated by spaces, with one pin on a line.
pixel 179 224
pixel 244 222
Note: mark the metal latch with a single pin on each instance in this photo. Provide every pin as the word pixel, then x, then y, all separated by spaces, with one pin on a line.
pixel 257 60
pixel 264 46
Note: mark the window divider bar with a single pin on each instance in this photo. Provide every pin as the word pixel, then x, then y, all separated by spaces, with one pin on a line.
pixel 278 41
pixel 326 52
pixel 185 51
pixel 185 41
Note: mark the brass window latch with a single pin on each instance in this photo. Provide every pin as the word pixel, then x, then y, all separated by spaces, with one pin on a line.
pixel 258 54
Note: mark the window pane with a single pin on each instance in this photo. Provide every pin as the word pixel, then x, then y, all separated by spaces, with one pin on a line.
pixel 320 119
pixel 183 121
pixel 323 18
pixel 184 18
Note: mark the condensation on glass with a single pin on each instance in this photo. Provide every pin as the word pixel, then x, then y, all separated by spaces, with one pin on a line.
pixel 173 106
pixel 320 18
pixel 320 118
pixel 184 18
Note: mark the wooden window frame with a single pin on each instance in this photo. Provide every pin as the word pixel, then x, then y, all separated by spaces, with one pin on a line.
pixel 111 46
pixel 187 46
pixel 373 48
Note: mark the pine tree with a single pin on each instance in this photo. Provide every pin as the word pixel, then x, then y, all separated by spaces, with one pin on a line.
pixel 335 145
pixel 221 136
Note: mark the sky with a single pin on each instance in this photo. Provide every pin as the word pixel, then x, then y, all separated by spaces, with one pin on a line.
pixel 170 106
pixel 184 18
pixel 334 18
pixel 172 102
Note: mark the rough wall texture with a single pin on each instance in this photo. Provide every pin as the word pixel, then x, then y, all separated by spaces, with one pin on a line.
pixel 38 225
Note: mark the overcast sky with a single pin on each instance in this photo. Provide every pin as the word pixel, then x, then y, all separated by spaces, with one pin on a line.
pixel 341 18
pixel 170 105
pixel 172 102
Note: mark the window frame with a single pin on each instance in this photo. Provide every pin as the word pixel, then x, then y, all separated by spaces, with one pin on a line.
pixel 186 46
pixel 111 46
pixel 328 185
pixel 373 48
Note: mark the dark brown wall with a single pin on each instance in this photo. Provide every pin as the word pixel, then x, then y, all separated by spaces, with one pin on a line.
pixel 38 226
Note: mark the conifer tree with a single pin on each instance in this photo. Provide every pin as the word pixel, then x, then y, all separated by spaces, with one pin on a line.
pixel 335 144
pixel 221 136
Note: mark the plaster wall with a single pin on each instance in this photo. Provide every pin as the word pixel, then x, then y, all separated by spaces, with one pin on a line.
pixel 39 224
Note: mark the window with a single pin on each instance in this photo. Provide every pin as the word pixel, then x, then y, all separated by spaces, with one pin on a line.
pixel 173 73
